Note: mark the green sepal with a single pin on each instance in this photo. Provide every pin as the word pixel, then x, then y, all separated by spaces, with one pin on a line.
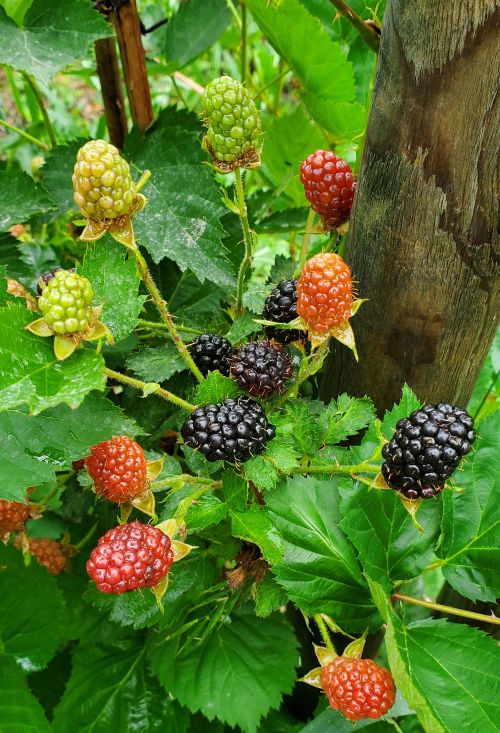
pixel 181 549
pixel 94 230
pixel 412 506
pixel 40 327
pixel 354 650
pixel 159 591
pixel 64 347
pixel 145 503
pixel 313 678
pixel 98 331
pixel 154 468
pixel 323 655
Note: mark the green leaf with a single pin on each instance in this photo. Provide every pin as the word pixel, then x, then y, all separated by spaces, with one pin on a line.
pixel 36 446
pixel 254 525
pixel 242 327
pixel 255 297
pixel 346 417
pixel 270 596
pixel 20 711
pixel 306 430
pixel 282 455
pixel 182 218
pixel 470 541
pixel 194 28
pixel 30 373
pixel 31 611
pixel 236 675
pixel 21 196
pixel 55 34
pixel 111 690
pixel 156 363
pixel 56 176
pixel 320 65
pixel 332 721
pixel 215 388
pixel 261 472
pixel 407 404
pixel 319 571
pixel 235 489
pixel 207 510
pixel 116 284
pixel 389 545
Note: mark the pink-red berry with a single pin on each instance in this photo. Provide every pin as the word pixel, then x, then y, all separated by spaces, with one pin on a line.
pixel 358 688
pixel 49 553
pixel 324 292
pixel 130 556
pixel 118 468
pixel 13 515
pixel 329 186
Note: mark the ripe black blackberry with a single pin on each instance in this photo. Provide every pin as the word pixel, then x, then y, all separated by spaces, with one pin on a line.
pixel 426 448
pixel 48 276
pixel 261 368
pixel 281 307
pixel 211 352
pixel 234 430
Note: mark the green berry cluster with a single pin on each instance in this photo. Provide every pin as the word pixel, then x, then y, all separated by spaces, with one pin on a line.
pixel 66 303
pixel 233 121
pixel 102 182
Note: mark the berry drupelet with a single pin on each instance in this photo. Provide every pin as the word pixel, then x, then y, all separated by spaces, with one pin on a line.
pixel 426 448
pixel 281 307
pixel 211 352
pixel 329 187
pixel 261 368
pixel 47 277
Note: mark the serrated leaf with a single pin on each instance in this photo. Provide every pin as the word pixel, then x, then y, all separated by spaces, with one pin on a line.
pixel 116 285
pixel 261 472
pixel 156 363
pixel 306 431
pixel 345 417
pixel 282 455
pixel 221 681
pixel 21 196
pixel 111 689
pixel 215 388
pixel 204 512
pixel 31 611
pixel 182 218
pixel 36 446
pixel 30 373
pixel 332 721
pixel 20 711
pixel 319 571
pixel 195 27
pixel 242 327
pixel 55 33
pixel 235 489
pixel 407 404
pixel 255 296
pixel 56 176
pixel 320 65
pixel 470 541
pixel 254 525
pixel 270 597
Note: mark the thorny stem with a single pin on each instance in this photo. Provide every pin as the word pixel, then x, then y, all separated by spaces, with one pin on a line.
pixel 307 236
pixel 164 312
pixel 26 135
pixel 447 609
pixel 41 103
pixel 172 480
pixel 144 386
pixel 243 60
pixel 277 78
pixel 368 34
pixel 352 469
pixel 157 326
pixel 247 238
pixel 324 632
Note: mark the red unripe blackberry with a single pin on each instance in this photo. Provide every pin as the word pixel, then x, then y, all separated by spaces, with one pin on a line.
pixel 49 553
pixel 211 352
pixel 13 515
pixel 261 368
pixel 130 556
pixel 234 430
pixel 358 688
pixel 281 307
pixel 118 468
pixel 329 186
pixel 325 292
pixel 426 448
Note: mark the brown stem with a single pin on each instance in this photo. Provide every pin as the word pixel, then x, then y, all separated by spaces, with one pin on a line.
pixel 366 31
pixel 111 89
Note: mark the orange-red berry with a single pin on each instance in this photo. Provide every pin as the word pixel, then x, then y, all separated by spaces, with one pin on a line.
pixel 49 553
pixel 329 186
pixel 359 688
pixel 324 292
pixel 13 515
pixel 118 468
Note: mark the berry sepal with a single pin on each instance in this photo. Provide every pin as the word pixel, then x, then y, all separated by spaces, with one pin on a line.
pixel 120 228
pixel 250 159
pixel 65 345
pixel 342 332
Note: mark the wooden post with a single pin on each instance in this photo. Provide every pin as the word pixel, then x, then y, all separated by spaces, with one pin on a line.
pixel 424 244
pixel 128 30
pixel 111 89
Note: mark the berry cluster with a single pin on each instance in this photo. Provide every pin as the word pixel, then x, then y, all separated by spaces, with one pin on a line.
pixel 261 368
pixel 118 468
pixel 66 302
pixel 329 187
pixel 325 292
pixel 281 307
pixel 13 515
pixel 48 553
pixel 358 688
pixel 211 352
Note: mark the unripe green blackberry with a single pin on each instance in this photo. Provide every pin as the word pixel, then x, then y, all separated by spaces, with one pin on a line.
pixel 102 182
pixel 233 122
pixel 66 303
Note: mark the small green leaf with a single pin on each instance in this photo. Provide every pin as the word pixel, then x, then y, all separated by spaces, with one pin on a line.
pixel 195 27
pixel 270 596
pixel 242 327
pixel 282 455
pixel 261 472
pixel 407 404
pixel 215 388
pixel 345 417
pixel 254 525
pixel 156 363
pixel 235 489
pixel 20 711
pixel 21 196
pixel 255 297
pixel 205 511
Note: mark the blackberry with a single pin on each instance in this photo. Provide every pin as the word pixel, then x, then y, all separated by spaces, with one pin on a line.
pixel 261 368
pixel 426 448
pixel 47 277
pixel 234 430
pixel 211 352
pixel 66 303
pixel 281 306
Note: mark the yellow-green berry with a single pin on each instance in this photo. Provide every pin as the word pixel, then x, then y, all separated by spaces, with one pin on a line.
pixel 66 303
pixel 102 181
pixel 232 119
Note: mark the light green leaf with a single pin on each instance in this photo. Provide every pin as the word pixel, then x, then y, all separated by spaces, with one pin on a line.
pixel 236 675
pixel 156 363
pixel 21 196
pixel 282 455
pixel 20 711
pixel 55 34
pixel 194 28
pixel 470 541
pixel 407 404
pixel 254 525
pixel 30 374
pixel 346 417
pixel 319 571
pixel 261 472
pixel 235 489
pixel 56 176
pixel 204 512
pixel 215 388
pixel 36 446
pixel 242 327
pixel 270 596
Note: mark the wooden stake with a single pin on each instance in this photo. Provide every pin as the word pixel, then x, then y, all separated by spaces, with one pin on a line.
pixel 111 90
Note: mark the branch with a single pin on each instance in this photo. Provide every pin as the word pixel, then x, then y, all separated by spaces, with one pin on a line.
pixel 447 609
pixel 365 30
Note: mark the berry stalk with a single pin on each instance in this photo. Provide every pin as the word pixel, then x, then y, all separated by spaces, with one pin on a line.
pixel 352 469
pixel 447 609
pixel 25 135
pixel 146 388
pixel 247 239
pixel 324 632
pixel 41 103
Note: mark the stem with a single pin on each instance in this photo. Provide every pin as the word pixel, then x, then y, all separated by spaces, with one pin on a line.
pixel 163 310
pixel 243 60
pixel 41 103
pixel 307 236
pixel 87 537
pixel 157 326
pixel 26 135
pixel 368 34
pixel 189 83
pixel 447 609
pixel 233 10
pixel 138 384
pixel 172 480
pixel 111 89
pixel 15 94
pixel 323 631
pixel 277 78
pixel 279 87
pixel 247 239
pixel 356 468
